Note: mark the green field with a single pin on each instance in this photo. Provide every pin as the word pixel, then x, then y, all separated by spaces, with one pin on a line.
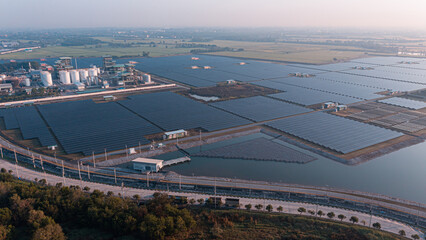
pixel 93 51
pixel 290 52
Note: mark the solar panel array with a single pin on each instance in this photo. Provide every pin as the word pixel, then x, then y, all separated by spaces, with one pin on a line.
pixel 84 126
pixel 171 111
pixel 29 121
pixel 260 108
pixel 404 102
pixel 333 132
pixel 305 96
pixel 179 68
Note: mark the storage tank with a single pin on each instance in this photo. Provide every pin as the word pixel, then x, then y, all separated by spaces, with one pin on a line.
pixel 84 74
pixel 75 76
pixel 93 72
pixel 46 78
pixel 64 77
pixel 27 82
pixel 146 78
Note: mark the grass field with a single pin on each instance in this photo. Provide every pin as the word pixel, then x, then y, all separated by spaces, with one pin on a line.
pixel 290 52
pixel 92 51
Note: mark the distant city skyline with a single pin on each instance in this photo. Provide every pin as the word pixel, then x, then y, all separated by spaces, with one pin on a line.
pixel 388 14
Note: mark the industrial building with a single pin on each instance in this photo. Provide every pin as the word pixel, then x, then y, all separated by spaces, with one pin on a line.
pixel 6 87
pixel 147 164
pixel 175 134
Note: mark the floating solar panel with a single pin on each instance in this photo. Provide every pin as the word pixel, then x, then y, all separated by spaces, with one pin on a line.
pixel 260 108
pixel 171 111
pixel 28 120
pixel 305 96
pixel 209 70
pixel 84 126
pixel 404 102
pixel 333 132
pixel 384 60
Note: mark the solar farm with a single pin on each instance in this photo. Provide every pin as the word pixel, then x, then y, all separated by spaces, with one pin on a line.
pixel 374 113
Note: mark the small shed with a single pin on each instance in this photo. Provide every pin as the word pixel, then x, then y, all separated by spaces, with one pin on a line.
pixel 329 104
pixel 175 134
pixel 231 82
pixel 109 98
pixel 341 107
pixel 147 164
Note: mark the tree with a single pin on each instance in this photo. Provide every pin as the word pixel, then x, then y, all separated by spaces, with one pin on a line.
pixel 192 201
pixel 86 188
pixel 353 219
pixel 4 232
pixel 280 209
pixel 415 236
pixel 341 217
pixel 320 213
pixel 200 201
pixel 269 208
pixel 312 212
pixel 49 232
pixel 248 207
pixel 331 215
pixel 301 210
pixel 258 206
pixel 401 232
pixel 136 197
pixel 377 225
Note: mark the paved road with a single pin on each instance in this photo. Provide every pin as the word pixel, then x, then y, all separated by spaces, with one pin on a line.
pixel 289 207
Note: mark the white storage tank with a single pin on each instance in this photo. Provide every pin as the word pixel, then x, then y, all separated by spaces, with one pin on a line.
pixel 64 77
pixel 27 82
pixel 75 76
pixel 146 78
pixel 46 78
pixel 84 74
pixel 93 72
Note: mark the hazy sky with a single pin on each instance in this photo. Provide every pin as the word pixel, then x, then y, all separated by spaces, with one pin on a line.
pixel 410 14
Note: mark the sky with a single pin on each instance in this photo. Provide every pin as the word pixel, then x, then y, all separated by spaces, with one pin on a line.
pixel 387 14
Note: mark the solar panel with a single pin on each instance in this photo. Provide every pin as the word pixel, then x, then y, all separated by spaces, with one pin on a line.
pixel 404 102
pixel 305 96
pixel 260 108
pixel 171 111
pixel 333 132
pixel 84 126
pixel 29 121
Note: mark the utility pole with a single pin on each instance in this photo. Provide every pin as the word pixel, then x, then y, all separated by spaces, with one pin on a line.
pixel 180 182
pixel 115 176
pixel 1 149
pixel 79 174
pixel 147 179
pixel 32 156
pixel 106 158
pixel 214 192
pixel 88 171
pixel 41 163
pixel 93 159
pixel 122 190
pixel 371 215
pixel 127 153
pixel 16 158
pixel 56 161
pixel 63 171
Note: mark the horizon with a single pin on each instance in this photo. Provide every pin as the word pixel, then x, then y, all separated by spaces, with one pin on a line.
pixel 352 14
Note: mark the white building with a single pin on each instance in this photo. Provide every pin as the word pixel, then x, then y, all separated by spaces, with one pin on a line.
pixel 175 134
pixel 147 164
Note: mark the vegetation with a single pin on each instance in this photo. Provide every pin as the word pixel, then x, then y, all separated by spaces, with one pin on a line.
pixel 225 92
pixel 36 211
pixel 35 93
pixel 12 66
